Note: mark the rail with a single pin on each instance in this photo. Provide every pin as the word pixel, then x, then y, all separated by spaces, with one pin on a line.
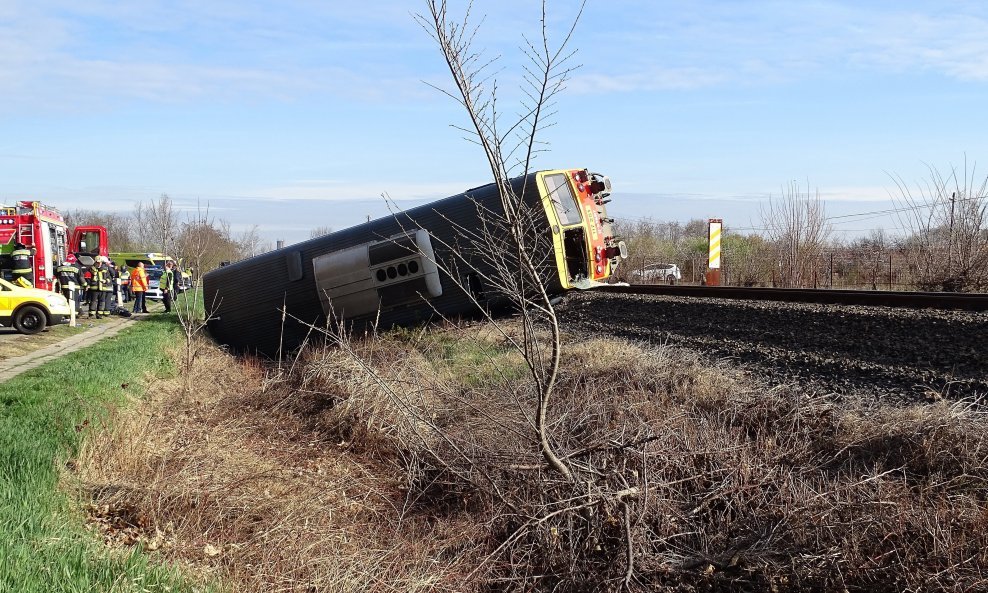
pixel 874 298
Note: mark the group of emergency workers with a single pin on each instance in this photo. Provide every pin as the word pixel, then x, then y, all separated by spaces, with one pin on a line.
pixel 99 288
pixel 97 285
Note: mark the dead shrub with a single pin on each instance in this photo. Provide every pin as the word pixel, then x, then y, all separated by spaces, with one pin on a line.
pixel 925 444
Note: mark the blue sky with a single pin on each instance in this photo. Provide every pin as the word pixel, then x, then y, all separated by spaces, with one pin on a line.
pixel 294 115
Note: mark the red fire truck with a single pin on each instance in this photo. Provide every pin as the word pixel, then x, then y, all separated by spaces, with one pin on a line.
pixel 86 243
pixel 42 229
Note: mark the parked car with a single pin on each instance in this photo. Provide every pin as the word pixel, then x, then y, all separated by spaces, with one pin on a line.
pixel 154 279
pixel 31 310
pixel 656 273
pixel 157 261
pixel 184 281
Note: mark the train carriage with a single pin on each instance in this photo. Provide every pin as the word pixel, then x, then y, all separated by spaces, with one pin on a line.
pixel 439 259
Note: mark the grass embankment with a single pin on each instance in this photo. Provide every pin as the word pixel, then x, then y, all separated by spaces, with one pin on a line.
pixel 44 416
pixel 15 344
pixel 426 475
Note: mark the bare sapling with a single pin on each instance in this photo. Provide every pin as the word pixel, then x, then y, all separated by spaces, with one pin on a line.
pixel 796 226
pixel 509 151
pixel 199 238
pixel 946 218
pixel 557 506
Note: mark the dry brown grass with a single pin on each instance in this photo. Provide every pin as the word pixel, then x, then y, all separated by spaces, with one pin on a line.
pixel 401 469
pixel 236 484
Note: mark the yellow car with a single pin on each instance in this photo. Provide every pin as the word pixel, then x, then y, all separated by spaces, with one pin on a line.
pixel 31 310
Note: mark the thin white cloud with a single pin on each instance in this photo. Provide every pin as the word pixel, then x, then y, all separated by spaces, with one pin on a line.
pixel 58 53
pixel 955 45
pixel 720 44
pixel 71 56
pixel 855 194
pixel 658 79
pixel 164 82
pixel 831 194
pixel 344 191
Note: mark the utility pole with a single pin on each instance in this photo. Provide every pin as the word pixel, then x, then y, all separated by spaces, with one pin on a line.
pixel 831 269
pixel 950 239
pixel 890 270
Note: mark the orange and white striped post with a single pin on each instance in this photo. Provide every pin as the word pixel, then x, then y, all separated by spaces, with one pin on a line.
pixel 713 259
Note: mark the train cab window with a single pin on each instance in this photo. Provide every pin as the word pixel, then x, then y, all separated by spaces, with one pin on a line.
pixel 563 199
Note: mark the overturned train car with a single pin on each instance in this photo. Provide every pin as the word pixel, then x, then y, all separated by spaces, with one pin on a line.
pixel 414 265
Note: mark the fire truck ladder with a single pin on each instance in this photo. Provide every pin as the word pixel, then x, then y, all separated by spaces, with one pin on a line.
pixel 25 234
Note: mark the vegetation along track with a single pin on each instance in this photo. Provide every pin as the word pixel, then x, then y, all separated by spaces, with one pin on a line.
pixel 895 355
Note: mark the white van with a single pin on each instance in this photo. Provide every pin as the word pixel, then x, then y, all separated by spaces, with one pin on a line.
pixel 658 273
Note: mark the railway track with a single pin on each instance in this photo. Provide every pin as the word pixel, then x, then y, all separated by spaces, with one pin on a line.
pixel 893 353
pixel 914 300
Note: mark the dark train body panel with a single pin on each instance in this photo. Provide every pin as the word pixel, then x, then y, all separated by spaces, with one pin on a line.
pixel 385 272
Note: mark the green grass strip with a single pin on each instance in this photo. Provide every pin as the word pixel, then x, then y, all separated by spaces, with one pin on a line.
pixel 44 547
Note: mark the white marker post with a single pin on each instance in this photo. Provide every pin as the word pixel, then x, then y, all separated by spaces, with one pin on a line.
pixel 119 293
pixel 72 303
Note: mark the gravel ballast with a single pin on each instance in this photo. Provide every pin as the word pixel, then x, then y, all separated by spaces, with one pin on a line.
pixel 904 355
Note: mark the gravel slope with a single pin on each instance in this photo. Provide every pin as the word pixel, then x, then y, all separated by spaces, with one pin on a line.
pixel 907 355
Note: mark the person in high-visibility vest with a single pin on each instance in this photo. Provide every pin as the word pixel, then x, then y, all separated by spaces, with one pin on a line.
pixel 99 288
pixel 167 286
pixel 125 291
pixel 139 284
pixel 69 272
pixel 22 260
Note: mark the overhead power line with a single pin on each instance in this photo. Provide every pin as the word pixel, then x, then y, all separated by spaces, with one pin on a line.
pixel 846 218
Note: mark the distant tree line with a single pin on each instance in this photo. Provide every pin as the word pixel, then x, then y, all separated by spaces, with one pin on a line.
pixel 198 238
pixel 941 243
pixel 158 226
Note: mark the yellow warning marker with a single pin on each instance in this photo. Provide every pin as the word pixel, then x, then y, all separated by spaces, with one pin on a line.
pixel 715 228
pixel 713 260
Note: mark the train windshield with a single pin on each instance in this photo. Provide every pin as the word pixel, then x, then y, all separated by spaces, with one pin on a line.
pixel 563 199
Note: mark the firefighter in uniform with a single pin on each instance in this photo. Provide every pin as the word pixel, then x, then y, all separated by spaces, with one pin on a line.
pixel 22 259
pixel 69 272
pixel 99 289
pixel 114 273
